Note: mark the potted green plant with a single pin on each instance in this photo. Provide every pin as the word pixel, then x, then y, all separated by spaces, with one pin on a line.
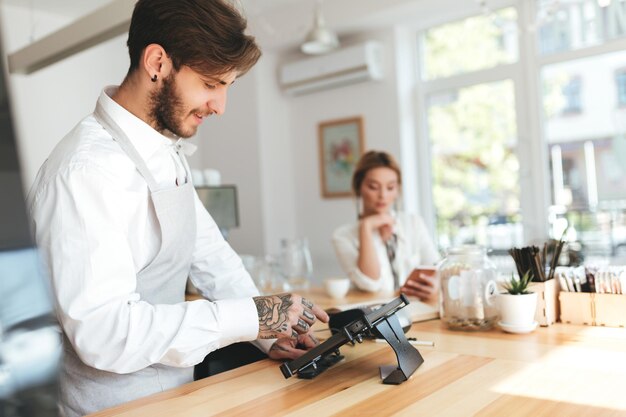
pixel 517 305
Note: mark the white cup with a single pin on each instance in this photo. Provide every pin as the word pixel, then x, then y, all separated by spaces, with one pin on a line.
pixel 197 177
pixel 337 287
pixel 212 177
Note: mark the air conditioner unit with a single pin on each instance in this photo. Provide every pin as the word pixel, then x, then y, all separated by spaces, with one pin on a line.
pixel 348 65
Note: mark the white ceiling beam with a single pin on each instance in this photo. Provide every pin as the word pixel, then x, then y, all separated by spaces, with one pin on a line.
pixel 96 27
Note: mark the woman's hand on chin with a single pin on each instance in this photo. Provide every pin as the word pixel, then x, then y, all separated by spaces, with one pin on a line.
pixel 378 221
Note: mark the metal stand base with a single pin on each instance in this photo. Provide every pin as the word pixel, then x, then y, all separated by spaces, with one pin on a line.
pixel 409 358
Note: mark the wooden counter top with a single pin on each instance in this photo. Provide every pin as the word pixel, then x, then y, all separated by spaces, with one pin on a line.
pixel 562 370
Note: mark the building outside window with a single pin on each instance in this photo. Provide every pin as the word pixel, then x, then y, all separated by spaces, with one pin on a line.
pixel 571 94
pixel 588 175
pixel 620 84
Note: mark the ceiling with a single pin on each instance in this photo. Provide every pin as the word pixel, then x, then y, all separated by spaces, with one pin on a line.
pixel 281 24
pixel 255 10
pixel 70 8
pixel 75 8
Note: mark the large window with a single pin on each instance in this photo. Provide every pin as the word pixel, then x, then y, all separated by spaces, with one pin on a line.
pixel 475 170
pixel 510 166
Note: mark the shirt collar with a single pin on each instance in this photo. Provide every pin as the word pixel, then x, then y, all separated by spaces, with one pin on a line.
pixel 143 137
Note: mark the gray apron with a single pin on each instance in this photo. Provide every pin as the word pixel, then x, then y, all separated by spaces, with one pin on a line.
pixel 85 389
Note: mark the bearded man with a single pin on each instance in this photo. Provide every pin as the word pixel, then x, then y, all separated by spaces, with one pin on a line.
pixel 121 228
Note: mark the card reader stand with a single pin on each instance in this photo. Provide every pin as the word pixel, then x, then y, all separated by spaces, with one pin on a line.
pixel 382 319
pixel 409 358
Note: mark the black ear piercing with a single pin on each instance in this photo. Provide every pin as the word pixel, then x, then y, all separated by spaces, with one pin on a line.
pixel 154 78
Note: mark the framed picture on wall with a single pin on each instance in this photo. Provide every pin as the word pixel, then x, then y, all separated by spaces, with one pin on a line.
pixel 340 144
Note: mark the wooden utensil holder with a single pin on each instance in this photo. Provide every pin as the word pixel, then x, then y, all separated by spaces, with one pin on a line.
pixel 547 312
pixel 593 309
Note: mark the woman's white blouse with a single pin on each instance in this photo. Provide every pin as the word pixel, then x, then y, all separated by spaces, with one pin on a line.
pixel 415 247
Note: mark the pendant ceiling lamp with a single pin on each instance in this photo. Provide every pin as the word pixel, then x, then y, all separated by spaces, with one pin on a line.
pixel 320 38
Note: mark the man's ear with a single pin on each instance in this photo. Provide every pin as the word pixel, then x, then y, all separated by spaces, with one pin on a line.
pixel 156 63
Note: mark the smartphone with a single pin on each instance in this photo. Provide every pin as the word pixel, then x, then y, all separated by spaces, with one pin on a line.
pixel 429 270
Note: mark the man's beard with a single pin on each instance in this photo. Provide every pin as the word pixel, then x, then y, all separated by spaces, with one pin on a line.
pixel 167 111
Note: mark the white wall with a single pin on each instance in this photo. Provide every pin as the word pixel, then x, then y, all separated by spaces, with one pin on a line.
pixel 230 144
pixel 316 217
pixel 48 103
pixel 277 147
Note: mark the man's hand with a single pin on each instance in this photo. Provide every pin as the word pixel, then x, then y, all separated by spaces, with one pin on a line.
pixel 287 348
pixel 286 315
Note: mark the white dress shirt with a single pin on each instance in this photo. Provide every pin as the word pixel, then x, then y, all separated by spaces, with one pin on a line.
pixel 415 247
pixel 96 228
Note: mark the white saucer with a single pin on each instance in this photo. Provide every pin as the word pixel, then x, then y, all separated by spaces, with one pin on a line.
pixel 510 328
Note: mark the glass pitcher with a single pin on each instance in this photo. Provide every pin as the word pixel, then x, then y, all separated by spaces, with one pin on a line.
pixel 468 289
pixel 265 272
pixel 296 264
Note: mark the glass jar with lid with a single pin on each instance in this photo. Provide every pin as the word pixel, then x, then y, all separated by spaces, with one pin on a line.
pixel 468 289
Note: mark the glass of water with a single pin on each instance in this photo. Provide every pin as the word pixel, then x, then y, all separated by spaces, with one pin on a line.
pixel 296 264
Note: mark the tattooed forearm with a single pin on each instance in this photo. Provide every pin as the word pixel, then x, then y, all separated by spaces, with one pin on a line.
pixel 273 314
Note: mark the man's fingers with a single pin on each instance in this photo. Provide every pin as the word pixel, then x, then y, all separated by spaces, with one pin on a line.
pixel 308 316
pixel 317 312
pixel 320 314
pixel 302 326
pixel 289 353
pixel 308 340
pixel 307 303
pixel 281 350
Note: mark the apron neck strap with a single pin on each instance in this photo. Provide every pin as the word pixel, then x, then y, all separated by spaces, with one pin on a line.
pixel 122 139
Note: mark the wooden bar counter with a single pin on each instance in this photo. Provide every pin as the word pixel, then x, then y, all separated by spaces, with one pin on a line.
pixel 562 370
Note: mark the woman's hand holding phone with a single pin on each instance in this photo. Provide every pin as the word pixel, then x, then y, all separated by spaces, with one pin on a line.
pixel 422 283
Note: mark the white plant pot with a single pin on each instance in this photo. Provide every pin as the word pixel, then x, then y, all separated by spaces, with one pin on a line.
pixel 517 310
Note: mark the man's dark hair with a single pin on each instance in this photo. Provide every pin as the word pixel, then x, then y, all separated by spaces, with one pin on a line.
pixel 205 35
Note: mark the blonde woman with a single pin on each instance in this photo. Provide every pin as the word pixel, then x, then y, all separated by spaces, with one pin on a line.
pixel 385 249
